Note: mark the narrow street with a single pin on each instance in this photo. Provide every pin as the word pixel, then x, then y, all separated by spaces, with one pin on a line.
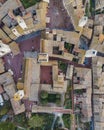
pixel 58 115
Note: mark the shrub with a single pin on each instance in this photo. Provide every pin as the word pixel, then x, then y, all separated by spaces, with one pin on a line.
pixel 44 101
pixel 43 95
pixel 58 96
pixel 3 111
pixel 36 121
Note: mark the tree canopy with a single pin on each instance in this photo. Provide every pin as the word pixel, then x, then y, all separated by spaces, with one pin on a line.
pixel 44 94
pixel 36 121
pixel 7 126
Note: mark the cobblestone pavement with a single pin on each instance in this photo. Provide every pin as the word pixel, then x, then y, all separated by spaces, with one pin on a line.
pixel 58 16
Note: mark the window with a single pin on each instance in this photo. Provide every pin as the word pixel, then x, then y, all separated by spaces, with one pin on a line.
pixel 55 50
pixel 93 52
pixel 55 37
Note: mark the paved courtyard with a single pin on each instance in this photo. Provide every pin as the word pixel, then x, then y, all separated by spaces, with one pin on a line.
pixel 46 75
pixel 15 62
pixel 58 16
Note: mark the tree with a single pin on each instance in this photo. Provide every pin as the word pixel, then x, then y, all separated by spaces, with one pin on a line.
pixel 62 66
pixel 44 94
pixel 21 120
pixel 67 46
pixel 36 121
pixel 67 120
pixel 44 101
pixel 68 104
pixel 7 126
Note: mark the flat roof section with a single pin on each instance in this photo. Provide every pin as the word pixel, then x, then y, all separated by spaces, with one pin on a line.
pixel 9 4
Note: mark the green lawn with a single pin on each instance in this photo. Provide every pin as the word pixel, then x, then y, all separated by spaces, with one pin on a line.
pixel 29 3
